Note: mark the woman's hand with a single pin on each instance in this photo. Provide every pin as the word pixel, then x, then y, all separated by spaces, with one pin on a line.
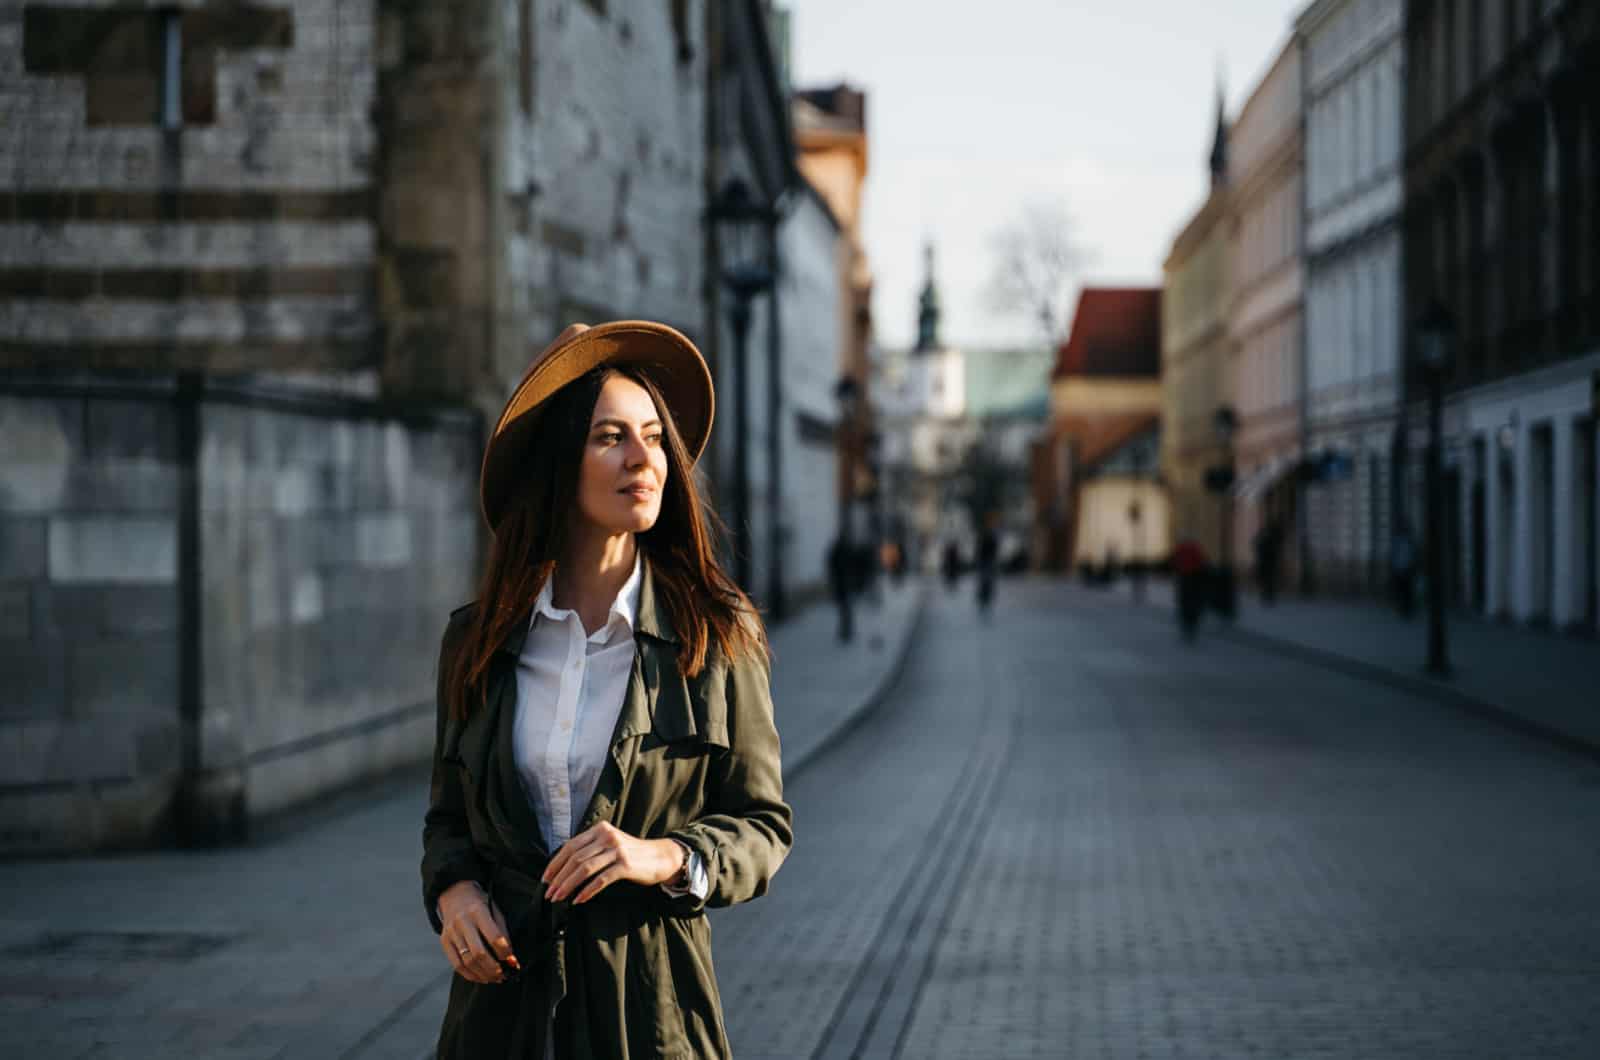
pixel 474 935
pixel 604 854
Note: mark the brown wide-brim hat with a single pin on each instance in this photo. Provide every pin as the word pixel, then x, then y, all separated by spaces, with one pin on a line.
pixel 660 353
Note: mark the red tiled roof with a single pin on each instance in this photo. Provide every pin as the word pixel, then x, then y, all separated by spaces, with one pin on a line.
pixel 1116 332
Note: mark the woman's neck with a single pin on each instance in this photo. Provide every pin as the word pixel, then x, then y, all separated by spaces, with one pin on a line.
pixel 594 570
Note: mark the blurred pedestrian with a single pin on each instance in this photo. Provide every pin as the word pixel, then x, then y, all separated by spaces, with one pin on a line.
pixel 951 564
pixel 564 859
pixel 1268 544
pixel 1403 570
pixel 988 560
pixel 1190 569
pixel 841 584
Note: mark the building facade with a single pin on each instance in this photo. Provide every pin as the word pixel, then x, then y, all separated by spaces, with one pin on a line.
pixel 1354 60
pixel 1196 369
pixel 1265 294
pixel 1502 177
pixel 1098 498
pixel 926 435
pixel 814 253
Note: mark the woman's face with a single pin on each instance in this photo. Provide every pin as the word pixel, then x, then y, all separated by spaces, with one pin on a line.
pixel 624 465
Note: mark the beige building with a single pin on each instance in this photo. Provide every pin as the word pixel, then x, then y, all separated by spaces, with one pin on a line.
pixel 1265 296
pixel 1097 499
pixel 1196 372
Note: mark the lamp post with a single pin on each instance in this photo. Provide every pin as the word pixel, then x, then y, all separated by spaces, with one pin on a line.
pixel 1225 422
pixel 745 245
pixel 1436 335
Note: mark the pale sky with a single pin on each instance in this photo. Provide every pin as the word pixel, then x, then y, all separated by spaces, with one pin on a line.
pixel 974 108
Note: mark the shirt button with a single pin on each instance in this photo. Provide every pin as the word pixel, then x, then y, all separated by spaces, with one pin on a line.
pixel 566 724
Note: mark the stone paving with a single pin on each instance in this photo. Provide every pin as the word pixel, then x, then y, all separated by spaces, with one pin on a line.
pixel 1061 833
pixel 1207 852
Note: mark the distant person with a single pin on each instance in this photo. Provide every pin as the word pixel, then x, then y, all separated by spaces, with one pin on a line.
pixel 841 583
pixel 1268 544
pixel 891 559
pixel 1403 570
pixel 951 565
pixel 1190 570
pixel 865 560
pixel 988 560
pixel 562 861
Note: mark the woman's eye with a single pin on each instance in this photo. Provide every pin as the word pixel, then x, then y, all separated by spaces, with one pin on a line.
pixel 610 438
pixel 653 439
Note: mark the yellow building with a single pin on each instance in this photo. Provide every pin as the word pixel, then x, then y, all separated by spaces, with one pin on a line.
pixel 1196 370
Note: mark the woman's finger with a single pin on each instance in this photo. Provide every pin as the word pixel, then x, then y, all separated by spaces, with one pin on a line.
pixel 493 932
pixel 599 883
pixel 578 871
pixel 477 959
pixel 459 953
pixel 500 938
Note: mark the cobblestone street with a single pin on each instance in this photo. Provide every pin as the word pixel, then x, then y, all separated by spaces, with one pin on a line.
pixel 1063 833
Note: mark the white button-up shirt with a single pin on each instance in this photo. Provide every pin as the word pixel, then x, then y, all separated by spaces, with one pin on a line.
pixel 570 688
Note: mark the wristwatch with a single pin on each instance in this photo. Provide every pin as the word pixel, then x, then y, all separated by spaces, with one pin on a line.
pixel 681 880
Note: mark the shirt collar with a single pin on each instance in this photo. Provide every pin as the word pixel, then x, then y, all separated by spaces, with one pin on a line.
pixel 625 606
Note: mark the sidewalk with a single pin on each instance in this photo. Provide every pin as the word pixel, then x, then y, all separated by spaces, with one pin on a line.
pixel 1544 683
pixel 821 687
pixel 312 943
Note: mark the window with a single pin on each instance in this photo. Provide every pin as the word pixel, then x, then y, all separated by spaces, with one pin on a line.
pixel 140 66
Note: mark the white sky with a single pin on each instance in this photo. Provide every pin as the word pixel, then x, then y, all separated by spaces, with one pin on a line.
pixel 973 108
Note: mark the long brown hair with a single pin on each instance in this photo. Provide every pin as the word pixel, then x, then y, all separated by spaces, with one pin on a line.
pixel 706 607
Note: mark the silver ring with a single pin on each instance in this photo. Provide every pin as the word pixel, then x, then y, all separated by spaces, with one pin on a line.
pixel 463 951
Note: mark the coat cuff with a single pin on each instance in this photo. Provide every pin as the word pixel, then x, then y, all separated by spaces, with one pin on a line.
pixel 443 879
pixel 694 871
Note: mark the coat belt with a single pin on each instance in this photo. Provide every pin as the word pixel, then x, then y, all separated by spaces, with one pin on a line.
pixel 537 928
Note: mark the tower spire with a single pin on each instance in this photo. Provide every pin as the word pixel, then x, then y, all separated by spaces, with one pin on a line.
pixel 928 308
pixel 1219 142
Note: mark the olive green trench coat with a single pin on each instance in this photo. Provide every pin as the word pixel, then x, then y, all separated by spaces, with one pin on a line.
pixel 627 974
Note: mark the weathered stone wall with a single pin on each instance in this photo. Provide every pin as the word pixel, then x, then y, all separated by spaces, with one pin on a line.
pixel 610 151
pixel 333 549
pixel 88 617
pixel 332 546
pixel 232 235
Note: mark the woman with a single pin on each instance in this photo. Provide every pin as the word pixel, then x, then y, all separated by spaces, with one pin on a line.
pixel 605 764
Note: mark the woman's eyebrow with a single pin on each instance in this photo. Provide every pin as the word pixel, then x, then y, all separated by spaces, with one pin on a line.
pixel 611 422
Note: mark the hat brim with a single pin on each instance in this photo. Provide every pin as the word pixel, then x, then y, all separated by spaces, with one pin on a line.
pixel 662 354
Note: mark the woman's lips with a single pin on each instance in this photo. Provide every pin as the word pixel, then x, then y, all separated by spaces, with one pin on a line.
pixel 640 492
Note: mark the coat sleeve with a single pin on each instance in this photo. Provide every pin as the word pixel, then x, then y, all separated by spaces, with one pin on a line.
pixel 748 828
pixel 448 855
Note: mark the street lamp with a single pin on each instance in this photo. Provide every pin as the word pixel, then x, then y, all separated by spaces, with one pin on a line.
pixel 1225 422
pixel 744 239
pixel 1436 337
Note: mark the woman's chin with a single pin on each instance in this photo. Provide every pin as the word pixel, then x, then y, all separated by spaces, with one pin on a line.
pixel 637 521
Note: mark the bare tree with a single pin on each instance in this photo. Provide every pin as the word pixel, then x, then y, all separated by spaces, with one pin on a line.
pixel 1035 261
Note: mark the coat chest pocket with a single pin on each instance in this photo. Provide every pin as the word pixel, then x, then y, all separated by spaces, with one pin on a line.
pixel 687 737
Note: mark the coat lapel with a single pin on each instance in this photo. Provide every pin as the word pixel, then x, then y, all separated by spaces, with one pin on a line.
pixel 657 700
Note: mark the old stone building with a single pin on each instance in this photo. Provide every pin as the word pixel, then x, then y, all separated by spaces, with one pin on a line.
pixel 264 269
pixel 1502 228
pixel 1196 370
